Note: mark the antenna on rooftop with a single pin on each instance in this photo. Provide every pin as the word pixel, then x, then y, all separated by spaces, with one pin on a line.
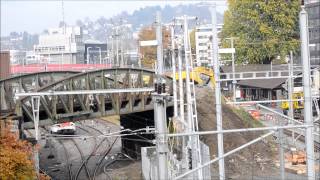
pixel 63 20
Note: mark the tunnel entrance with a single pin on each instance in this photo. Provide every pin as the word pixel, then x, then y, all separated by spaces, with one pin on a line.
pixel 132 144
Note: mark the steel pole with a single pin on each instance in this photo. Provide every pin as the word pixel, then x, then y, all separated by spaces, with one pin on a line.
pixel 188 92
pixel 303 22
pixel 233 71
pixel 117 47
pixel 35 102
pixel 281 154
pixel 181 93
pixel 187 63
pixel 290 90
pixel 100 55
pixel 217 92
pixel 174 82
pixel 112 52
pixel 160 109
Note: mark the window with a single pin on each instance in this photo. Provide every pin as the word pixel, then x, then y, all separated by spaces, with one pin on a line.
pixel 203 37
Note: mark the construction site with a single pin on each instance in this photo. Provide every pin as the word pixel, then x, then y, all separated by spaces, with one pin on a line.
pixel 178 121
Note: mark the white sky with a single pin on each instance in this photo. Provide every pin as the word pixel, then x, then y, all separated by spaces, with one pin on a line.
pixel 35 16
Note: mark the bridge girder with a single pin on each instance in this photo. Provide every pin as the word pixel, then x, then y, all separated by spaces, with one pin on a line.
pixel 26 83
pixel 67 107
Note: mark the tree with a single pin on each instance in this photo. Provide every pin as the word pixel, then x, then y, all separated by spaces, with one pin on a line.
pixel 149 53
pixel 266 29
pixel 192 37
pixel 15 158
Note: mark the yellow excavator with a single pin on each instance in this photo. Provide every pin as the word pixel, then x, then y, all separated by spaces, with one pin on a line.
pixel 200 75
pixel 297 105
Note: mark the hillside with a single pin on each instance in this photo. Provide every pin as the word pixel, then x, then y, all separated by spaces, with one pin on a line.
pixel 100 29
pixel 255 160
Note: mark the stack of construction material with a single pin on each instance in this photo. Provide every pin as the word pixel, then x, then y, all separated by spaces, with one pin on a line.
pixel 296 161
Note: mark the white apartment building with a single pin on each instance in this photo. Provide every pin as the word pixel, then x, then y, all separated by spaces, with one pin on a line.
pixel 61 46
pixel 32 58
pixel 17 57
pixel 203 35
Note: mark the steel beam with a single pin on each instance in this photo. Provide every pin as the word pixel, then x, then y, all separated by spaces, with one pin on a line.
pixel 303 22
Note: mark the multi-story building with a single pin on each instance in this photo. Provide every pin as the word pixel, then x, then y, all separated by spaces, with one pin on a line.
pixel 203 35
pixel 61 46
pixel 313 9
pixel 32 58
pixel 17 57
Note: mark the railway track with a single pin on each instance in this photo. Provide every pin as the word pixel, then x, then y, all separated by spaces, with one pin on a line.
pixel 302 139
pixel 66 154
pixel 83 162
pixel 95 149
pixel 106 152
pixel 74 165
pixel 68 163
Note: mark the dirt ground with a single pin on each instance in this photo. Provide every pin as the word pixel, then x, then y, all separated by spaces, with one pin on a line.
pixel 253 161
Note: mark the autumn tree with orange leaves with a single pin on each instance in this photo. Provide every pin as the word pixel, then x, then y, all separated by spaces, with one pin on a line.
pixel 149 53
pixel 15 158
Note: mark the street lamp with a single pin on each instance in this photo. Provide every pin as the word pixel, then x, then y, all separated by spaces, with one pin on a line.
pixel 99 53
pixel 88 54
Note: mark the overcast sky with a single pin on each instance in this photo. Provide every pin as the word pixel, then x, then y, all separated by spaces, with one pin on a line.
pixel 35 16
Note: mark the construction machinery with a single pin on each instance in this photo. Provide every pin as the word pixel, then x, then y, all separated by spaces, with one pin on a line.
pixel 200 76
pixel 297 105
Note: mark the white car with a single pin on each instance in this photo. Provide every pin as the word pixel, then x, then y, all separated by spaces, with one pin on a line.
pixel 63 128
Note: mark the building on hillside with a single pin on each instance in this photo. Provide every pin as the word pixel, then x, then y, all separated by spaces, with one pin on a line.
pixel 203 43
pixel 313 9
pixel 95 52
pixel 61 46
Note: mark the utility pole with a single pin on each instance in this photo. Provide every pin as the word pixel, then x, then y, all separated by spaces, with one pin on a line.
pixel 100 59
pixel 117 46
pixel 63 18
pixel 121 49
pixel 112 52
pixel 309 139
pixel 181 93
pixel 215 63
pixel 233 70
pixel 35 102
pixel 281 149
pixel 186 57
pixel 159 99
pixel 174 82
pixel 291 90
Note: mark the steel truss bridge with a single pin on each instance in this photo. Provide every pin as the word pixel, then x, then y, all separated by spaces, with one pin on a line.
pixel 55 108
